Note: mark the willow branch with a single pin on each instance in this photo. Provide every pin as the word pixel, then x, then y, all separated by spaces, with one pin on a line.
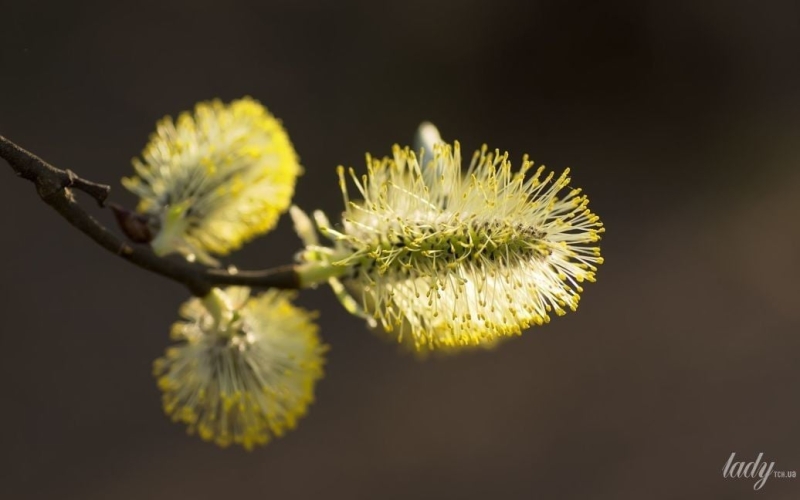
pixel 55 187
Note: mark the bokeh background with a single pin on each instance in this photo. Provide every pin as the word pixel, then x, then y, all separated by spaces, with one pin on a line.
pixel 680 119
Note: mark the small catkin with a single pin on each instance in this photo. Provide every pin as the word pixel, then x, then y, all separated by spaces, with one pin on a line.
pixel 214 179
pixel 244 368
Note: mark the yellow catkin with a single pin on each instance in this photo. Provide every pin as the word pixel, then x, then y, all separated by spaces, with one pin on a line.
pixel 244 368
pixel 214 179
pixel 444 258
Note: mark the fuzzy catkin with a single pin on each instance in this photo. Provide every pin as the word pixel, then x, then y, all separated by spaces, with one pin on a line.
pixel 214 179
pixel 444 258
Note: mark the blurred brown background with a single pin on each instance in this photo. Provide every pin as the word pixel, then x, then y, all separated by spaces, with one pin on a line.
pixel 680 119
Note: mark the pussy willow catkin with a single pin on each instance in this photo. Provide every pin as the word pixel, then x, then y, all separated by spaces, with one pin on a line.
pixel 214 179
pixel 244 368
pixel 445 258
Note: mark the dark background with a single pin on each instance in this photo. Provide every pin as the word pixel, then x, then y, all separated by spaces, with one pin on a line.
pixel 680 119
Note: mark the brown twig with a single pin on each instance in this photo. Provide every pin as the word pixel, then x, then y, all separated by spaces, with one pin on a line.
pixel 55 186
